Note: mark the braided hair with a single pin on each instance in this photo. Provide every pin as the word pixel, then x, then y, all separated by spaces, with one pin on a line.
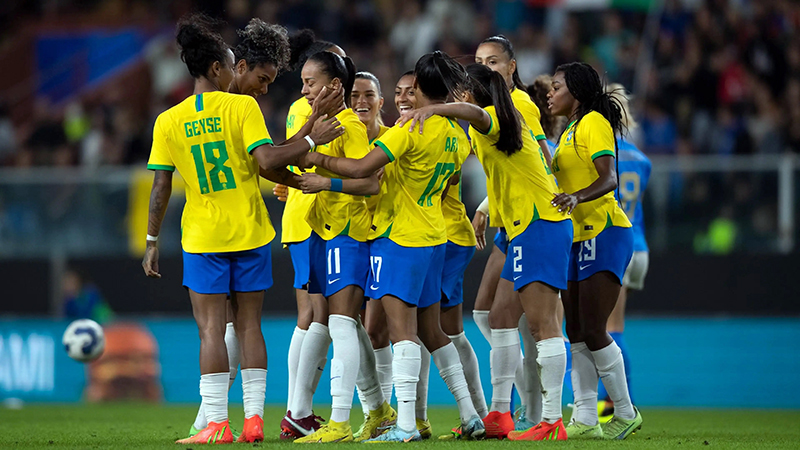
pixel 489 88
pixel 335 66
pixel 508 49
pixel 263 43
pixel 200 44
pixel 439 75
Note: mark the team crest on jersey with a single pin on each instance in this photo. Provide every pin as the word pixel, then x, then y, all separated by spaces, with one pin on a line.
pixel 569 136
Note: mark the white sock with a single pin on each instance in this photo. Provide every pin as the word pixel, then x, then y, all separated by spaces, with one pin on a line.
pixel 469 361
pixel 481 319
pixel 214 391
pixel 344 365
pixel 254 387
pixel 552 362
pixel 232 345
pixel 519 376
pixel 452 372
pixel 314 349
pixel 584 384
pixel 294 360
pixel 421 408
pixel 532 394
pixel 383 364
pixel 367 379
pixel 611 368
pixel 505 360
pixel 405 374
pixel 200 419
pixel 320 368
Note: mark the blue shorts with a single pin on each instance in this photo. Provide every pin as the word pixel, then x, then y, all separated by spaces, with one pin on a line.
pixel 611 250
pixel 501 240
pixel 412 274
pixel 223 273
pixel 540 253
pixel 456 260
pixel 336 264
pixel 300 262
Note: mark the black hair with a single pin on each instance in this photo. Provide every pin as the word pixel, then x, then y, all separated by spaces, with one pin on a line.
pixel 369 76
pixel 201 45
pixel 538 93
pixel 335 66
pixel 438 75
pixel 302 45
pixel 407 73
pixel 263 43
pixel 584 84
pixel 508 49
pixel 489 88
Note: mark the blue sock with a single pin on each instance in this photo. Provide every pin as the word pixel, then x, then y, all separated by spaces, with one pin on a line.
pixel 568 396
pixel 620 340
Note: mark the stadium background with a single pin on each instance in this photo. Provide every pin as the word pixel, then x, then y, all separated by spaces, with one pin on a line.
pixel 716 87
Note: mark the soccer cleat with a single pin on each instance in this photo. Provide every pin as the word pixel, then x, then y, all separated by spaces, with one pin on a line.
pixel 253 430
pixel 605 410
pixel 521 422
pixel 424 428
pixel 360 430
pixel 330 432
pixel 542 432
pixel 577 430
pixel 619 428
pixel 498 424
pixel 214 433
pixel 292 428
pixel 377 422
pixel 474 429
pixel 395 434
pixel 455 433
pixel 193 431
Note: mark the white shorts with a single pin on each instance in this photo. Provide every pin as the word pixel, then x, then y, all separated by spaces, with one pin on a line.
pixel 636 271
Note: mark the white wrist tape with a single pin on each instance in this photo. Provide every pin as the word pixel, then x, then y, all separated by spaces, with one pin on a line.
pixel 310 142
pixel 484 206
pixel 152 238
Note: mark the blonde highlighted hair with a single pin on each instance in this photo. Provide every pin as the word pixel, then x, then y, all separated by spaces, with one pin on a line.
pixel 618 92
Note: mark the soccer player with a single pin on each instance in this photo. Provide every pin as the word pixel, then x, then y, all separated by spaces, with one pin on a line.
pixel 540 237
pixel 308 348
pixel 602 248
pixel 634 173
pixel 219 143
pixel 408 236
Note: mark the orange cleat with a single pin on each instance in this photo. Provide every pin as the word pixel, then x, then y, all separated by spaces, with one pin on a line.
pixel 214 433
pixel 542 432
pixel 253 430
pixel 498 425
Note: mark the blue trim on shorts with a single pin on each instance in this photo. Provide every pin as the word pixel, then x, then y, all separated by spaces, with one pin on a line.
pixel 412 274
pixel 611 251
pixel 456 260
pixel 223 273
pixel 501 240
pixel 300 261
pixel 539 254
pixel 336 264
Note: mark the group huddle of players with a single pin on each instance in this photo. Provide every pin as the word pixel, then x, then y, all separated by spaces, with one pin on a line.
pixel 375 213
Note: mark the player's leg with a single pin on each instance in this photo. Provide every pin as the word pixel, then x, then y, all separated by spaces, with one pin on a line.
pixel 530 391
pixel 452 325
pixel 375 325
pixel 488 287
pixel 247 322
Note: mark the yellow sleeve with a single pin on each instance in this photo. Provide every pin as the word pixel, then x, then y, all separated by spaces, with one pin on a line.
pixel 397 141
pixel 355 143
pixel 160 159
pixel 536 128
pixel 298 115
pixel 254 129
pixel 598 136
pixel 494 128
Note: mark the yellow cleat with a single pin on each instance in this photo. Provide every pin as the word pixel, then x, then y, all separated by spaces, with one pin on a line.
pixel 330 432
pixel 377 423
pixel 424 428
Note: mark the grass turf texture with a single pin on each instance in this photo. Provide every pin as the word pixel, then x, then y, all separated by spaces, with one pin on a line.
pixel 139 426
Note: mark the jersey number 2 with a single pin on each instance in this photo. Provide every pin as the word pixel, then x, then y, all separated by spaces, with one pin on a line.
pixel 214 174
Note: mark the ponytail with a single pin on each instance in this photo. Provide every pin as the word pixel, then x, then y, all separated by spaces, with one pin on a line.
pixel 438 75
pixel 489 88
pixel 351 79
pixel 335 66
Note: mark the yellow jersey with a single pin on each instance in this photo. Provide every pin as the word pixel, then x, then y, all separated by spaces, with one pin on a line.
pixel 410 211
pixel 522 181
pixel 336 213
pixel 459 227
pixel 208 138
pixel 573 165
pixel 293 223
pixel 372 200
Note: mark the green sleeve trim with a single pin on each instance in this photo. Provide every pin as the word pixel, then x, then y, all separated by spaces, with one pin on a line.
pixel 385 150
pixel 491 125
pixel 258 143
pixel 603 153
pixel 541 137
pixel 161 167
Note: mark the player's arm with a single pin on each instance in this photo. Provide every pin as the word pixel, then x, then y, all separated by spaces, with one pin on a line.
pixel 605 183
pixel 348 167
pixel 282 176
pixel 271 157
pixel 312 183
pixel 479 222
pixel 473 114
pixel 159 199
pixel 546 152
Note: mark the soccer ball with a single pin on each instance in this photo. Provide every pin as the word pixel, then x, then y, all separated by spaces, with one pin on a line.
pixel 84 340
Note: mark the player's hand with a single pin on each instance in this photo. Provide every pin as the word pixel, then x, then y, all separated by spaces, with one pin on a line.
pixel 565 202
pixel 150 261
pixel 329 102
pixel 380 173
pixel 325 131
pixel 479 224
pixel 312 183
pixel 281 191
pixel 415 116
pixel 306 161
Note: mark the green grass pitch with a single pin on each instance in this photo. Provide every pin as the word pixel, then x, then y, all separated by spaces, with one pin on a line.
pixel 140 426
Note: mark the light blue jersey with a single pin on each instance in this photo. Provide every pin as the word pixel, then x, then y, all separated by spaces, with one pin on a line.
pixel 634 173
